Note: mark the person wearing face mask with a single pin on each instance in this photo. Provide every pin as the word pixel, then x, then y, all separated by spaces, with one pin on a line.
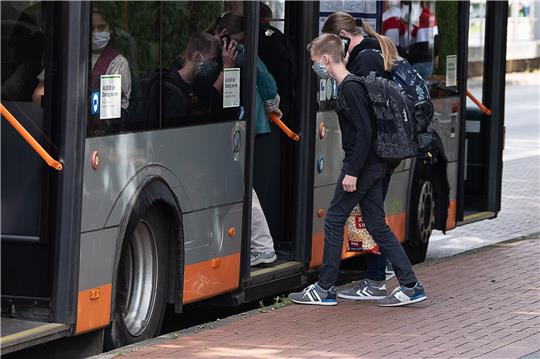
pixel 106 60
pixel 195 83
pixel 361 61
pixel 230 29
pixel 361 181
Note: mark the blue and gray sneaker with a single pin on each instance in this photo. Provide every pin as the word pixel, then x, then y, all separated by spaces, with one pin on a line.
pixel 403 296
pixel 316 295
pixel 367 289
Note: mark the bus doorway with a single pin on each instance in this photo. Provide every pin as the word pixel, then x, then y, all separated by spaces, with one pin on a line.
pixel 278 160
pixel 35 305
pixel 484 115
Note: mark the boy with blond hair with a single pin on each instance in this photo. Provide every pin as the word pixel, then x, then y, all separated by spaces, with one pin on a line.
pixel 361 181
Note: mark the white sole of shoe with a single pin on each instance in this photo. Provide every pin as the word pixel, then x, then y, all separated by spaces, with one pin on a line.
pixel 264 260
pixel 389 276
pixel 400 304
pixel 352 297
pixel 315 303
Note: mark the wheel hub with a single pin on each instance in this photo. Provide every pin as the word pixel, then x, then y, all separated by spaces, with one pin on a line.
pixel 139 268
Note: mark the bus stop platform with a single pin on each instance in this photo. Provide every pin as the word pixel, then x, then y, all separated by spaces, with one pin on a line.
pixel 484 303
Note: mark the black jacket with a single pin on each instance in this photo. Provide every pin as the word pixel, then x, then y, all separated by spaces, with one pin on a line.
pixel 356 121
pixel 361 64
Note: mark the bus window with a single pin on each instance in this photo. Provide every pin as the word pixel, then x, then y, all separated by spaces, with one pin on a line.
pixel 157 65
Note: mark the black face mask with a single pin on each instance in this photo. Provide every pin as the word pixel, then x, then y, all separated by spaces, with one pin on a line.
pixel 346 42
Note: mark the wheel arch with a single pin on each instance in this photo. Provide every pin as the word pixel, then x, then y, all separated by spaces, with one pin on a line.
pixel 154 191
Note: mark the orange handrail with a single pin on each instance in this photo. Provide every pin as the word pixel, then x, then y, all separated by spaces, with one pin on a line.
pixel 29 139
pixel 283 127
pixel 480 105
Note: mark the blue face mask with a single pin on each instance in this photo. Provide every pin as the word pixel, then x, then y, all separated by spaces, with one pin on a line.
pixel 320 70
pixel 206 68
pixel 239 47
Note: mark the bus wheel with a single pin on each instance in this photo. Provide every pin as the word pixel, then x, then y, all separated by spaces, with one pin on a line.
pixel 421 221
pixel 141 283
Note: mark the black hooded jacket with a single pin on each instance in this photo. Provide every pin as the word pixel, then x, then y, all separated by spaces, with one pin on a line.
pixel 361 64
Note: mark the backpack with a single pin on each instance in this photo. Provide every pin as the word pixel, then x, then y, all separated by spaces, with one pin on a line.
pixel 414 86
pixel 394 137
pixel 421 107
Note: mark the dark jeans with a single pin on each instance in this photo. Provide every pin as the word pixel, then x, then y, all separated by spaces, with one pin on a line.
pixel 369 193
pixel 376 264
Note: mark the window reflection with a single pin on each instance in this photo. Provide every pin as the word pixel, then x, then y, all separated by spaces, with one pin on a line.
pixel 169 59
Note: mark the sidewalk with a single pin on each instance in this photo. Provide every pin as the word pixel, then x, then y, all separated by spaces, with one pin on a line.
pixel 484 303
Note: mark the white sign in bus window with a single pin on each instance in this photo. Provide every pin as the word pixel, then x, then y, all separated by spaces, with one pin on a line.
pixel 110 96
pixel 231 87
pixel 451 70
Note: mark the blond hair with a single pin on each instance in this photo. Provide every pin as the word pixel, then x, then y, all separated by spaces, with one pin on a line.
pixel 327 44
pixel 341 21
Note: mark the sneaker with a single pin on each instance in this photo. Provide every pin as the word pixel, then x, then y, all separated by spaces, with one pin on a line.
pixel 316 295
pixel 262 257
pixel 366 290
pixel 389 272
pixel 403 296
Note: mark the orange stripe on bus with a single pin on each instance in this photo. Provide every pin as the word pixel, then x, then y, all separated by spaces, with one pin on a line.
pixel 206 279
pixel 396 222
pixel 93 308
pixel 451 219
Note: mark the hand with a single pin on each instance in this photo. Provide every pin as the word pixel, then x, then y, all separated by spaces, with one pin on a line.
pixel 349 183
pixel 229 55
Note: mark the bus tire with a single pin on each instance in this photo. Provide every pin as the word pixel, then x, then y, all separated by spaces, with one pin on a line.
pixel 421 220
pixel 141 282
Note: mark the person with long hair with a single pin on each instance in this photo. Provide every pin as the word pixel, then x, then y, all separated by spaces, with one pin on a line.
pixel 361 60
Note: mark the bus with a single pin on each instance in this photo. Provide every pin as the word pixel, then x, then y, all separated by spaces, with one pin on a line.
pixel 117 203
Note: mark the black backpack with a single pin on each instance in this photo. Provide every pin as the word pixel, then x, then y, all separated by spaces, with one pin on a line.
pixel 414 86
pixel 395 133
pixel 421 107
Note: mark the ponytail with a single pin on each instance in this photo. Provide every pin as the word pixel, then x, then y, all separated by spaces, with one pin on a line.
pixel 388 48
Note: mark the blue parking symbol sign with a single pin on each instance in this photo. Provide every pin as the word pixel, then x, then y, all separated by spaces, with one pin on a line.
pixel 94 102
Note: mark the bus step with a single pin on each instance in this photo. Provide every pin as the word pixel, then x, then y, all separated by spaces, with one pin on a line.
pixel 19 334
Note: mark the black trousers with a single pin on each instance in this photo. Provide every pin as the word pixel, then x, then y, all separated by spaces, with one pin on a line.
pixel 376 264
pixel 370 194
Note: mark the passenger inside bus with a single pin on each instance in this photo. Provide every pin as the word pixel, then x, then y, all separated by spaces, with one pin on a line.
pixel 107 60
pixel 194 86
pixel 232 26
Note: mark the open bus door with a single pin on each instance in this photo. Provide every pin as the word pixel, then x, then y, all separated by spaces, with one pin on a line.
pixel 40 205
pixel 482 132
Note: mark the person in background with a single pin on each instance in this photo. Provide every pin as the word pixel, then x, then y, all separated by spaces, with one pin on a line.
pixel 272 159
pixel 231 26
pixel 423 38
pixel 196 85
pixel 362 61
pixel 361 181
pixel 394 26
pixel 106 60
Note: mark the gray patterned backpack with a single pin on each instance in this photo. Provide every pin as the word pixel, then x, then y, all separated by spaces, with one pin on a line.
pixel 395 137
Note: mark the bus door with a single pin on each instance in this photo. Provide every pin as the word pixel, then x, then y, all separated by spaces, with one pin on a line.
pixel 27 246
pixel 483 130
pixel 278 156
